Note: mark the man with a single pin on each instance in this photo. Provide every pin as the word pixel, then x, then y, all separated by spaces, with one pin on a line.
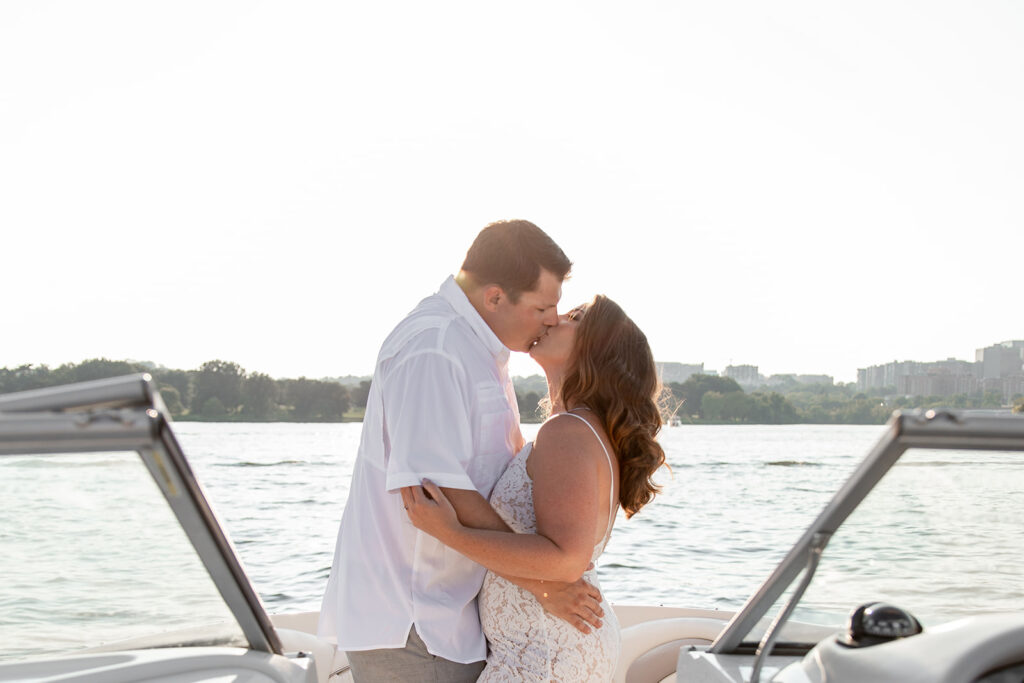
pixel 441 405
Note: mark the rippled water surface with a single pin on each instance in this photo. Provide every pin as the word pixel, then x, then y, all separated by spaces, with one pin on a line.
pixel 737 498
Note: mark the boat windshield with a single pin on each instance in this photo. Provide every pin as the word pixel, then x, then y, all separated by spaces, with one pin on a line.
pixel 107 539
pixel 93 556
pixel 937 536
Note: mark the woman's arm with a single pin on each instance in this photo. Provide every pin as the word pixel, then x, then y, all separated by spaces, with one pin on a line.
pixel 576 602
pixel 566 495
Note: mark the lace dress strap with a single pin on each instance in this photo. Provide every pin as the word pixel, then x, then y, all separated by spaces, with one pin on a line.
pixel 612 504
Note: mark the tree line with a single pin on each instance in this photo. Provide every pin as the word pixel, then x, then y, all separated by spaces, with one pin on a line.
pixel 224 391
pixel 220 390
pixel 217 391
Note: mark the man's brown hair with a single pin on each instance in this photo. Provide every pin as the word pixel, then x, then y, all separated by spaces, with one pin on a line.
pixel 511 254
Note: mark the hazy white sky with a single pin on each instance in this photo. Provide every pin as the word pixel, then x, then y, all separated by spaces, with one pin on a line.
pixel 809 187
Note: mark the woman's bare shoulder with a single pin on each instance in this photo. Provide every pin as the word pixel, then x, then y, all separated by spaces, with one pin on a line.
pixel 565 435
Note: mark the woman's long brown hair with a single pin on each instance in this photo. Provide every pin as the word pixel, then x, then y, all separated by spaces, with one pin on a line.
pixel 612 372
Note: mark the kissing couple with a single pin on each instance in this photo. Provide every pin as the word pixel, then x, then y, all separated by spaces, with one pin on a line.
pixel 464 553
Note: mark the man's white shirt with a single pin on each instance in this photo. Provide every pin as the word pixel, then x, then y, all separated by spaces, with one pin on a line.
pixel 441 407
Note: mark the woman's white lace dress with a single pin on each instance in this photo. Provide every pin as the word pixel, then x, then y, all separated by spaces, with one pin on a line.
pixel 525 643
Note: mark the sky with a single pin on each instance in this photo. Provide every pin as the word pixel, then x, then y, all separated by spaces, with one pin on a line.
pixel 809 187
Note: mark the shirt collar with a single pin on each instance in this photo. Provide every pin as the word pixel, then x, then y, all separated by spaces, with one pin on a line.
pixel 453 294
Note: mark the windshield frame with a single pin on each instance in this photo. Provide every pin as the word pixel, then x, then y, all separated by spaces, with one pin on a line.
pixel 945 430
pixel 127 414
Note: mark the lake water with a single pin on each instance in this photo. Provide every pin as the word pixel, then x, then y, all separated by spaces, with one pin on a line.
pixel 735 501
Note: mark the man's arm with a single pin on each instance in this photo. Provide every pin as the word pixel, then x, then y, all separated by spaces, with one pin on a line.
pixel 578 603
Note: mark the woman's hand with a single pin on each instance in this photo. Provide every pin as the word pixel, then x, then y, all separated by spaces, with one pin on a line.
pixel 429 510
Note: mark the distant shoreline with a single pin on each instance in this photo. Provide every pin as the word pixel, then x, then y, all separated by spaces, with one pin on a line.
pixel 223 391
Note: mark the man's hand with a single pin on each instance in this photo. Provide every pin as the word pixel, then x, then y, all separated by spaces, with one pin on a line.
pixel 429 510
pixel 579 603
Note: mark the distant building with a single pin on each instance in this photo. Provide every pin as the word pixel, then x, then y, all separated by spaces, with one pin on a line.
pixel 936 384
pixel 678 372
pixel 780 379
pixel 911 378
pixel 882 376
pixel 1001 360
pixel 784 379
pixel 1013 386
pixel 745 375
pixel 815 379
pixel 998 368
pixel 903 375
pixel 1001 368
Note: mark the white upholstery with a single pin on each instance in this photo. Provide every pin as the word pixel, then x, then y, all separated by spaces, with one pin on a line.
pixel 650 648
pixel 322 651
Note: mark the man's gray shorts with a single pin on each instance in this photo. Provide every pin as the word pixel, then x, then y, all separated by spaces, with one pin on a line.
pixel 412 663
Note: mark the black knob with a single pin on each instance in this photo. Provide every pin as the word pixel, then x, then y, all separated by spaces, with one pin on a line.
pixel 878 622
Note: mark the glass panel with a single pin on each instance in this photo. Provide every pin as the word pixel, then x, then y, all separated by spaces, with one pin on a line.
pixel 92 554
pixel 737 499
pixel 939 536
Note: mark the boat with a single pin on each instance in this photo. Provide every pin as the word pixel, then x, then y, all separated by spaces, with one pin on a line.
pixel 202 619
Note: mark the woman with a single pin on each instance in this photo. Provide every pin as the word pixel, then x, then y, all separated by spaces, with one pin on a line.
pixel 560 495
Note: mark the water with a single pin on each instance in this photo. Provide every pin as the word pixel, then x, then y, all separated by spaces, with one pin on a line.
pixel 705 541
pixel 737 498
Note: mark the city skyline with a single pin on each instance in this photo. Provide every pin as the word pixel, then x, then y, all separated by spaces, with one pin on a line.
pixel 1017 345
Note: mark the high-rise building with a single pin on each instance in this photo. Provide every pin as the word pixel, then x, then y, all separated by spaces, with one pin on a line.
pixel 998 368
pixel 745 375
pixel 1000 360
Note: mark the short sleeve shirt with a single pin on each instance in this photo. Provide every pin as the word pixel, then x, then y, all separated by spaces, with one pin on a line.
pixel 442 407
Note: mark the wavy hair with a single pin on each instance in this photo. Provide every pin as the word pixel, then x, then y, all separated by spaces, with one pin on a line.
pixel 612 372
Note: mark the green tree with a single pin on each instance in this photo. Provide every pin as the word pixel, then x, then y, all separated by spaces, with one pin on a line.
pixel 259 396
pixel 222 380
pixel 214 407
pixel 711 406
pixel 992 399
pixel 538 384
pixel 97 368
pixel 181 380
pixel 529 406
pixel 692 391
pixel 864 411
pixel 334 401
pixel 172 399
pixel 734 406
pixel 25 377
pixel 740 407
pixel 359 395
pixel 313 400
pixel 1018 405
pixel 773 408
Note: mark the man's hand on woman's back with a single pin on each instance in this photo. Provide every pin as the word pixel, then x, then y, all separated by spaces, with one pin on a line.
pixel 579 603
